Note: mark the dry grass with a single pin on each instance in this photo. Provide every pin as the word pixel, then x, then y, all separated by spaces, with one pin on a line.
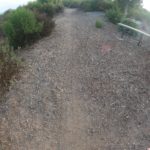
pixel 9 66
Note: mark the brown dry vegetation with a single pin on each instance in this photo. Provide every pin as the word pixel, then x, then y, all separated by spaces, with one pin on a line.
pixel 9 67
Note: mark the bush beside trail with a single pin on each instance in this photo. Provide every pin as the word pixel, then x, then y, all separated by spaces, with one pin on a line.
pixel 129 22
pixel 50 9
pixel 26 24
pixel 47 22
pixel 96 5
pixel 89 5
pixel 114 15
pixel 72 3
pixel 22 27
pixel 44 12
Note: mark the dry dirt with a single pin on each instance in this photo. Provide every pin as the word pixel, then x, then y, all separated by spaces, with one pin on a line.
pixel 82 89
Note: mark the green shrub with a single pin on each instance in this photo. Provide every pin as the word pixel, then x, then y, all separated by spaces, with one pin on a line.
pixel 3 17
pixel 98 24
pixel 129 22
pixel 72 3
pixel 22 28
pixel 140 14
pixel 105 5
pixel 43 1
pixel 44 12
pixel 1 30
pixel 9 66
pixel 114 15
pixel 87 5
pixel 34 6
pixel 48 8
pixel 48 23
pixel 59 7
pixel 96 5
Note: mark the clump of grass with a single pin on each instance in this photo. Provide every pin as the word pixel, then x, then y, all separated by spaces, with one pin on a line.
pixel 98 24
pixel 9 66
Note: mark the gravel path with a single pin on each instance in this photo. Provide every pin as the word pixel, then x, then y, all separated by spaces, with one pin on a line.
pixel 82 89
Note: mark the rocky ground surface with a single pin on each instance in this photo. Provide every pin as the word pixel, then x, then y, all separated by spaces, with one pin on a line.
pixel 82 89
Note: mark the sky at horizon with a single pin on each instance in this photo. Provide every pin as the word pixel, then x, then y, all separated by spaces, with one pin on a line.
pixel 146 4
pixel 12 4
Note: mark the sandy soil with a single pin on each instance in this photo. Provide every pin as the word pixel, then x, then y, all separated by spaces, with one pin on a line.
pixel 82 89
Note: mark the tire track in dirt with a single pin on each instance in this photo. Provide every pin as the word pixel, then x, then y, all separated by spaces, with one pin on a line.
pixel 73 123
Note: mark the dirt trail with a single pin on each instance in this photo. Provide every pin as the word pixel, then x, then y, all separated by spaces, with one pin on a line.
pixel 82 89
